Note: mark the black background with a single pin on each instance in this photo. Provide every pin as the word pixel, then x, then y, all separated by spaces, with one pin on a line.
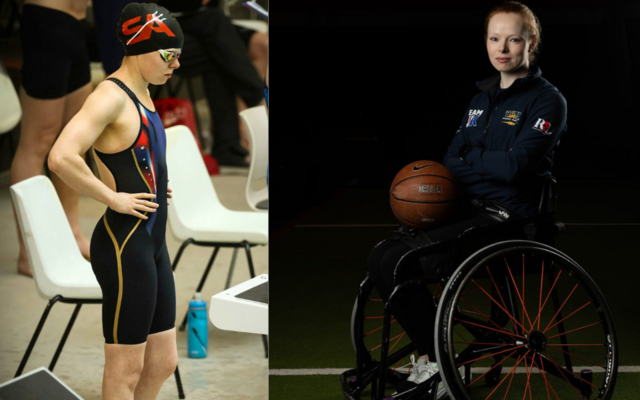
pixel 360 89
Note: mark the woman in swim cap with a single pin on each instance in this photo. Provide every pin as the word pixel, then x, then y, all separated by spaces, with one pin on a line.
pixel 129 254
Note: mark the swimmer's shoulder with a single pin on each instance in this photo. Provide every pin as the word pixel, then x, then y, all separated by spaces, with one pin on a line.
pixel 108 99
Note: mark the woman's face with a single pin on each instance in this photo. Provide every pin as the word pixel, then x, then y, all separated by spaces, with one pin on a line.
pixel 508 42
pixel 155 69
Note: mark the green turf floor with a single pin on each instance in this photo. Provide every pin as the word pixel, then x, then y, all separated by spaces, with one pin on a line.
pixel 321 387
pixel 315 272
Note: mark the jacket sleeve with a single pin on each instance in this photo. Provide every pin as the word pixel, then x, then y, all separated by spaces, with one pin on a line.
pixel 541 131
pixel 462 171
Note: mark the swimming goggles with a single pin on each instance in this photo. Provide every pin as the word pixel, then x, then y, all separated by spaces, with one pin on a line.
pixel 169 56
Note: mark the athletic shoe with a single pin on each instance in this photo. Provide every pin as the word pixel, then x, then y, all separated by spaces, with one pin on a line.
pixel 420 372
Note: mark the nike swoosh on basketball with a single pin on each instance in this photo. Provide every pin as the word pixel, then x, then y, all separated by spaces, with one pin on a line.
pixel 416 168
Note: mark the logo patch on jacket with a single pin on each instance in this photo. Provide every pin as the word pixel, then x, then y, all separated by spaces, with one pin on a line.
pixel 542 126
pixel 511 117
pixel 473 117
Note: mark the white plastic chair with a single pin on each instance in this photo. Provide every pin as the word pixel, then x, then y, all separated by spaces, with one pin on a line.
pixel 257 123
pixel 60 271
pixel 256 25
pixel 197 216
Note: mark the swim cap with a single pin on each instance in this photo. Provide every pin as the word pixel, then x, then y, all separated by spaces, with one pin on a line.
pixel 147 27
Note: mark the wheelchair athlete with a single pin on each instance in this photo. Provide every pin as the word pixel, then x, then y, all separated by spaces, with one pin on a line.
pixel 500 155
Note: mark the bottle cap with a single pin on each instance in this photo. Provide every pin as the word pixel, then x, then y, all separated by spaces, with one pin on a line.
pixel 197 296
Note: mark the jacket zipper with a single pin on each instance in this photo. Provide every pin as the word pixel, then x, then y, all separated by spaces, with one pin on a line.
pixel 486 128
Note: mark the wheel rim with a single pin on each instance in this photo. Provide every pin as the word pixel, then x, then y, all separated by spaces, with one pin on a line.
pixel 517 328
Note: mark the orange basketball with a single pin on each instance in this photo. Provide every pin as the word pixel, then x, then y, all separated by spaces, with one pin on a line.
pixel 424 194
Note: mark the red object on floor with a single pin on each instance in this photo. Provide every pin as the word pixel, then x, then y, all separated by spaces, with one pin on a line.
pixel 212 164
pixel 172 112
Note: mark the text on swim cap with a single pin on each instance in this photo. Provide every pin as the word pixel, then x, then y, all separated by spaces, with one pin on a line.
pixel 144 32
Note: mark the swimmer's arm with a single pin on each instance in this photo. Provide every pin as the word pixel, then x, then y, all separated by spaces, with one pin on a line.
pixel 102 107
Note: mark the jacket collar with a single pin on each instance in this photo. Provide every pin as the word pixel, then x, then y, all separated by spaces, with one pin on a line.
pixel 488 84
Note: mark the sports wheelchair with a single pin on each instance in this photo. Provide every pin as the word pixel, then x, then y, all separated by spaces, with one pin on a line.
pixel 513 320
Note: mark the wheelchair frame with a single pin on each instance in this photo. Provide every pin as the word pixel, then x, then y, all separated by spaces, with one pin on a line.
pixel 539 232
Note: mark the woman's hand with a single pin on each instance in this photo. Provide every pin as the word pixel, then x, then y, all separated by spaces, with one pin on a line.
pixel 169 191
pixel 133 203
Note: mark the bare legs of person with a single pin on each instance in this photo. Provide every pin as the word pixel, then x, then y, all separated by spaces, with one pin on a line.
pixel 137 372
pixel 258 50
pixel 42 122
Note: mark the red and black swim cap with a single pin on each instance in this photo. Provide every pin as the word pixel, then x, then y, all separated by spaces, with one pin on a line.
pixel 147 27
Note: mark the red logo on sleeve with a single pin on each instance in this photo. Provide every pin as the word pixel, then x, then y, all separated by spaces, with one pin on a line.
pixel 144 32
pixel 542 126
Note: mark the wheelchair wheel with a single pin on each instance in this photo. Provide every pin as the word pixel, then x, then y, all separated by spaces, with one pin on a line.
pixel 366 337
pixel 530 323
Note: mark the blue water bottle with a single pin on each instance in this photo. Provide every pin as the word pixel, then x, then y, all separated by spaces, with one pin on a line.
pixel 198 327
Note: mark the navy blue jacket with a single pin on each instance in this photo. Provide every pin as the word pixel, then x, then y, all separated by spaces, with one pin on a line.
pixel 513 137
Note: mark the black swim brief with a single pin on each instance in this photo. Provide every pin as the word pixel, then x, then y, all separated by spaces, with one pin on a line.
pixel 56 60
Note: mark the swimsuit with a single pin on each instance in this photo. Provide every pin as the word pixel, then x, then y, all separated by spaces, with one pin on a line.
pixel 128 254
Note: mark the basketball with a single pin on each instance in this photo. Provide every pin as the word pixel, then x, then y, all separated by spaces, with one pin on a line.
pixel 424 194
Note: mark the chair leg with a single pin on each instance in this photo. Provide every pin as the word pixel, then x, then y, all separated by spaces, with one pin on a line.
pixel 182 247
pixel 227 284
pixel 45 314
pixel 64 337
pixel 247 249
pixel 176 373
pixel 201 284
pixel 265 342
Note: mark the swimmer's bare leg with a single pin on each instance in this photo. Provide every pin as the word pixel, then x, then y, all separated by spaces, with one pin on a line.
pixel 122 368
pixel 160 361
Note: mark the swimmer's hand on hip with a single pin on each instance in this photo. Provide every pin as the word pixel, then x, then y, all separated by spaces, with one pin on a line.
pixel 133 203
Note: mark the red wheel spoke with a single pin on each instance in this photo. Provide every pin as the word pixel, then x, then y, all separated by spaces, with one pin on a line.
pixel 435 291
pixel 503 309
pixel 561 307
pixel 375 299
pixel 560 368
pixel 396 366
pixel 459 334
pixel 524 309
pixel 472 291
pixel 547 298
pixel 528 379
pixel 540 298
pixel 491 355
pixel 501 361
pixel 489 344
pixel 392 339
pixel 509 387
pixel 491 329
pixel 480 313
pixel 510 372
pixel 544 376
pixel 373 317
pixel 523 296
pixel 513 320
pixel 552 326
pixel 576 356
pixel 377 329
pixel 397 341
pixel 574 330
